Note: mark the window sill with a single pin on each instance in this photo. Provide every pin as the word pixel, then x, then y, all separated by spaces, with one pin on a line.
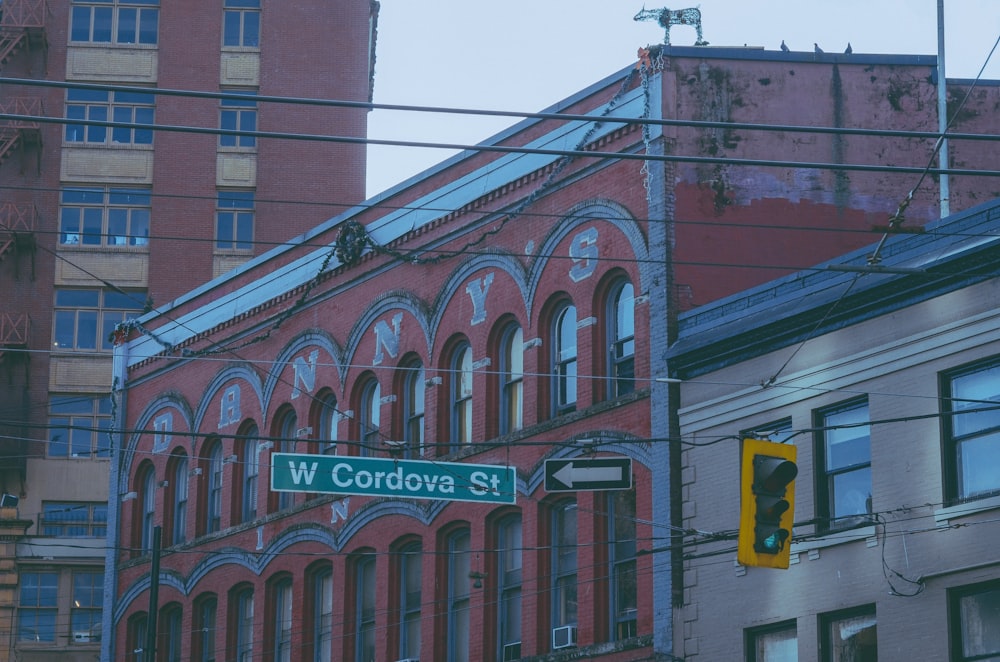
pixel 832 538
pixel 945 515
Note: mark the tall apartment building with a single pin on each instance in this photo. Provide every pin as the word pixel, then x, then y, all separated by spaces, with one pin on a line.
pixel 437 357
pixel 102 217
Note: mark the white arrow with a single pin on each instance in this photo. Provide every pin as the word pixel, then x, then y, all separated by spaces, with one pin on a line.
pixel 570 474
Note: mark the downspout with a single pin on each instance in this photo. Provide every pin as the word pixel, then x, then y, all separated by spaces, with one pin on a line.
pixel 942 93
pixel 117 437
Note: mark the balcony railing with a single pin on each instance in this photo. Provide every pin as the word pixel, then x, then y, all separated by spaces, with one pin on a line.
pixel 25 14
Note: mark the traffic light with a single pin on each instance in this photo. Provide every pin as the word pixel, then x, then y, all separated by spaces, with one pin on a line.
pixel 767 500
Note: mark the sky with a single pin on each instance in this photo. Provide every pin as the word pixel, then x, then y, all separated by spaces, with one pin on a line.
pixel 526 55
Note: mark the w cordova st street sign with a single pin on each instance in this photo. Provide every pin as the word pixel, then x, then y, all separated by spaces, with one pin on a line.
pixel 413 479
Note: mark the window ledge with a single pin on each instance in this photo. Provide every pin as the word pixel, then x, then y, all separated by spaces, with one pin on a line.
pixel 944 515
pixel 832 538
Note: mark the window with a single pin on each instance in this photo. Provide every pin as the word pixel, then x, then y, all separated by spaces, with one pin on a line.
pixel 136 638
pixel 371 416
pixel 86 319
pixel 564 361
pixel 241 23
pixel 243 633
pixel 410 560
pixel 74 519
pixel 283 621
pixel 459 587
pixel 88 599
pixel 169 646
pixel 972 435
pixel 775 643
pixel 975 622
pixel 78 427
pixel 104 106
pixel 37 607
pixel 849 636
pixel 509 588
pixel 104 217
pixel 179 498
pixel 844 463
pixel 564 564
pixel 460 396
pixel 621 543
pixel 147 508
pixel 288 434
pixel 203 639
pixel 238 115
pixel 250 466
pixel 329 420
pixel 511 380
pixel 115 21
pixel 321 586
pixel 413 410
pixel 364 633
pixel 621 333
pixel 234 221
pixel 213 500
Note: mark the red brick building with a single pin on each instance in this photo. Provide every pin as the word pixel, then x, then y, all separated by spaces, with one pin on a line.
pixel 511 306
pixel 99 221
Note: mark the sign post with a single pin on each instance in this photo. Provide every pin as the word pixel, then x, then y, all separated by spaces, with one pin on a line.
pixel 413 479
pixel 588 474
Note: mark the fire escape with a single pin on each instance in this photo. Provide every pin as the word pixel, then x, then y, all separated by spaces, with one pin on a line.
pixel 22 37
pixel 22 28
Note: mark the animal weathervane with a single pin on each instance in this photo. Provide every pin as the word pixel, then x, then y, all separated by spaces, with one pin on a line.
pixel 668 17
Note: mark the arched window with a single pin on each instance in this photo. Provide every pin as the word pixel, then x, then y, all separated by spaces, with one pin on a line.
pixel 511 375
pixel 409 565
pixel 370 417
pixel 319 615
pixel 248 457
pixel 459 589
pixel 364 608
pixel 288 433
pixel 329 418
pixel 564 547
pixel 212 472
pixel 203 642
pixel 170 634
pixel 241 632
pixel 279 638
pixel 147 508
pixel 178 482
pixel 564 360
pixel 621 334
pixel 413 409
pixel 460 396
pixel 622 556
pixel 509 579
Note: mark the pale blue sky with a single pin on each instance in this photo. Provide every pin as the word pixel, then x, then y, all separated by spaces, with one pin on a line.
pixel 528 54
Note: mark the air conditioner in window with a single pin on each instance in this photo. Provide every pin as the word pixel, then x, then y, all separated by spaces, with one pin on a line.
pixel 409 659
pixel 81 637
pixel 512 651
pixel 563 637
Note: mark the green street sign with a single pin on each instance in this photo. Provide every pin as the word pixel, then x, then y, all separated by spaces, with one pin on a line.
pixel 412 479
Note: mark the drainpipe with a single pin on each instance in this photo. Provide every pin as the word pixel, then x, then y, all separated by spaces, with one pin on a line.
pixel 942 112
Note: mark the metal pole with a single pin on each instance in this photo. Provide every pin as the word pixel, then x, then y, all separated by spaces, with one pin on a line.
pixel 149 654
pixel 942 112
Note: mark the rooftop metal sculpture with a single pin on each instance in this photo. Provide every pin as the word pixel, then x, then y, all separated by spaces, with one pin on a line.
pixel 668 17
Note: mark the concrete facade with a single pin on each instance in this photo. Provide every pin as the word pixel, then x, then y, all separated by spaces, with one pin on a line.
pixel 911 573
pixel 283 354
pixel 98 223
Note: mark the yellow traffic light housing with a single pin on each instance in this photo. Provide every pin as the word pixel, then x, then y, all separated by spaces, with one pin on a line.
pixel 767 503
